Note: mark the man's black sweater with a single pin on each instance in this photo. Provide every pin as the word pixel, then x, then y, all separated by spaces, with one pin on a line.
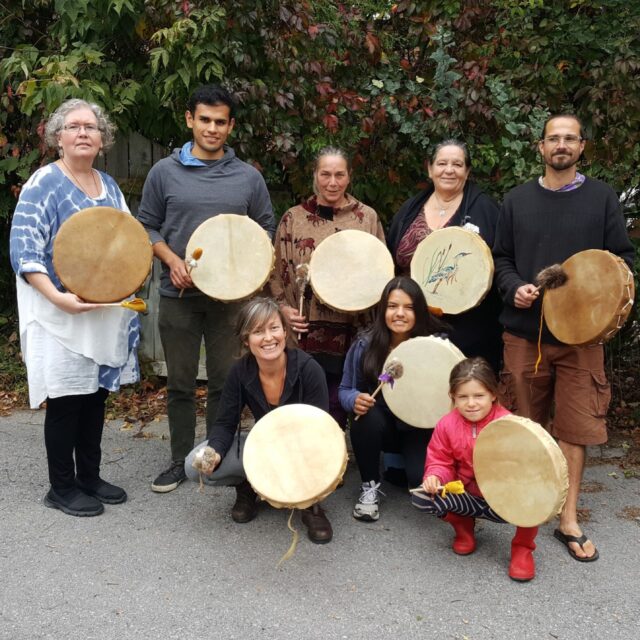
pixel 538 228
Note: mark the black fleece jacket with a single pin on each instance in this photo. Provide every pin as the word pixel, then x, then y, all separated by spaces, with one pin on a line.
pixel 304 383
pixel 477 331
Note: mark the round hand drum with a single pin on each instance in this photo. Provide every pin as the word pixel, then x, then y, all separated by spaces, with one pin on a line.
pixel 595 301
pixel 348 270
pixel 102 254
pixel 295 456
pixel 237 257
pixel 454 267
pixel 521 471
pixel 420 397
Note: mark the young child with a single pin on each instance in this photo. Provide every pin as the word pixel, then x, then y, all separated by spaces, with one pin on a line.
pixel 473 388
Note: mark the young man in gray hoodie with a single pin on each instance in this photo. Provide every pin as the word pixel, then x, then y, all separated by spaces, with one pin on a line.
pixel 198 181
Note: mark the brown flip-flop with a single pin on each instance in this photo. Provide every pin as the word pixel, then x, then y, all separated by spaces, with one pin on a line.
pixel 579 540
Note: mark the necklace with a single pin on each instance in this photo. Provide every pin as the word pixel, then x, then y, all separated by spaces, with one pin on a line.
pixel 73 175
pixel 443 209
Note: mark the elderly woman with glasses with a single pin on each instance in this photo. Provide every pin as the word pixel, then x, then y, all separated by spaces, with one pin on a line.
pixel 63 344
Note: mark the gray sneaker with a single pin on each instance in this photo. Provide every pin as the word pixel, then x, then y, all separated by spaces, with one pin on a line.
pixel 169 479
pixel 366 508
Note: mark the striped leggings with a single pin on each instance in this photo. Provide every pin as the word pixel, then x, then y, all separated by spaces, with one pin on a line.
pixel 462 504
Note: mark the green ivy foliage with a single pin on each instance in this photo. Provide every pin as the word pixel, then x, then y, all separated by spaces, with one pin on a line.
pixel 384 80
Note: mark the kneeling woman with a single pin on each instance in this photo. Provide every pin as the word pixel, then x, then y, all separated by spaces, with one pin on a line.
pixel 402 313
pixel 269 375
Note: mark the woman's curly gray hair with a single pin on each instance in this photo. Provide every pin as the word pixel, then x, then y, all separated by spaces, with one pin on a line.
pixel 56 122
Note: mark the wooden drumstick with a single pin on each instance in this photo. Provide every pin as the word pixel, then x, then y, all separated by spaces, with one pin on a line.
pixel 302 280
pixel 136 304
pixel 455 486
pixel 192 264
pixel 392 371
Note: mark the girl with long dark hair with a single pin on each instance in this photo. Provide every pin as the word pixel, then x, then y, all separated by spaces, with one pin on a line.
pixel 402 313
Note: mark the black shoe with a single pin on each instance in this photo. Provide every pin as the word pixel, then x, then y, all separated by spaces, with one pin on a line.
pixel 104 491
pixel 170 479
pixel 246 504
pixel 318 526
pixel 73 502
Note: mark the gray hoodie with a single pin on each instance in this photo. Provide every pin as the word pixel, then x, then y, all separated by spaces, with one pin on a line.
pixel 179 194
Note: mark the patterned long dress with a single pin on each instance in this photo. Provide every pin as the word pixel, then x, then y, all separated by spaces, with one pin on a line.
pixel 302 228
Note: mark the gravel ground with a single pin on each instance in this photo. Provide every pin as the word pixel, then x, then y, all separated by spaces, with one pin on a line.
pixel 176 566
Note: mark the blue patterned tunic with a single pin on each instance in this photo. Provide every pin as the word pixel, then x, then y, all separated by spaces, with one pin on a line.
pixel 46 201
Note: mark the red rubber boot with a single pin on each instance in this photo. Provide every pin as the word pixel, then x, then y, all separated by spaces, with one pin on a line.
pixel 465 542
pixel 522 567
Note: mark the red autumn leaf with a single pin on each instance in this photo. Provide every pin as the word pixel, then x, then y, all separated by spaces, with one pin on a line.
pixel 380 116
pixel 373 42
pixel 330 121
pixel 367 125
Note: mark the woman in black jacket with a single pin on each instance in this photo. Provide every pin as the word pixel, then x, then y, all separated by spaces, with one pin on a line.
pixel 267 376
pixel 452 200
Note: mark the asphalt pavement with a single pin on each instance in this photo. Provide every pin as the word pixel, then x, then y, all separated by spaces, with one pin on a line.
pixel 175 566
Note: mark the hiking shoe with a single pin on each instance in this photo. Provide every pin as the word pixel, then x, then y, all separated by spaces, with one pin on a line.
pixel 318 526
pixel 246 504
pixel 73 502
pixel 104 491
pixel 366 508
pixel 169 479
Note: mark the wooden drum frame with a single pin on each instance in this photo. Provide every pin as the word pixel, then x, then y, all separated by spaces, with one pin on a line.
pixel 521 471
pixel 295 456
pixel 420 397
pixel 236 260
pixel 454 267
pixel 349 269
pixel 594 303
pixel 102 254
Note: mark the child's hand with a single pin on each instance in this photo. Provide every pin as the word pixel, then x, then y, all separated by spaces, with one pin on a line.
pixel 431 484
pixel 363 403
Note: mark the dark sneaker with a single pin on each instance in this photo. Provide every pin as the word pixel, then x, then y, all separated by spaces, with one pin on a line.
pixel 318 525
pixel 104 491
pixel 73 502
pixel 246 504
pixel 170 479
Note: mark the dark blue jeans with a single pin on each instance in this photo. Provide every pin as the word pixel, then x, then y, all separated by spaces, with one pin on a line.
pixel 183 324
